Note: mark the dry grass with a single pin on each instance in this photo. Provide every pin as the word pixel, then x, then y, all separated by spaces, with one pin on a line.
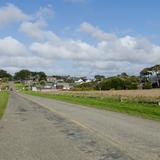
pixel 151 94
pixel 140 96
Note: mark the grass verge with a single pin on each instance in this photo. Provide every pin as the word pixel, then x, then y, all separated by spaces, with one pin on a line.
pixel 3 102
pixel 145 110
pixel 19 86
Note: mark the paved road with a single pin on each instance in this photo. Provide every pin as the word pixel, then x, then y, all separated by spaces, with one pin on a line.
pixel 35 128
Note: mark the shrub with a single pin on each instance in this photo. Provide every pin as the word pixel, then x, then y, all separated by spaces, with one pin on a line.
pixel 147 85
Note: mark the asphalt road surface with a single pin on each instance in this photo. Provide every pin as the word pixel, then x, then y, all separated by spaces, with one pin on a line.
pixel 35 128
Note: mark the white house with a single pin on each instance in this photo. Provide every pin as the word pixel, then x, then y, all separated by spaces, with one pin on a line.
pixel 88 81
pixel 80 81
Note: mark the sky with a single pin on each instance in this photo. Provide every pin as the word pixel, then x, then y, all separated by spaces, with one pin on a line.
pixel 79 37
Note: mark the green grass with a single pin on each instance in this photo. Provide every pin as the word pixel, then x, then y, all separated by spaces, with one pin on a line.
pixel 3 102
pixel 19 86
pixel 145 110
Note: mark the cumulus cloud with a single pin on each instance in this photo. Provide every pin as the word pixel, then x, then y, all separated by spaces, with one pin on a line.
pixel 36 31
pixel 25 62
pixel 111 54
pixel 71 50
pixel 96 32
pixel 11 13
pixel 36 28
pixel 11 47
pixel 34 63
pixel 124 49
pixel 15 55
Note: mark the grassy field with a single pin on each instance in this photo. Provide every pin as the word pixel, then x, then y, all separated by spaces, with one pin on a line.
pixel 153 94
pixel 141 109
pixel 19 86
pixel 3 102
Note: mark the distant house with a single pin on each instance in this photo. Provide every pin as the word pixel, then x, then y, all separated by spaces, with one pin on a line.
pixel 63 86
pixel 51 79
pixel 88 81
pixel 79 81
pixel 49 85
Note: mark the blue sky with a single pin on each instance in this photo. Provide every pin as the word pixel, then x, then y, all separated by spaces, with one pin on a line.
pixel 79 37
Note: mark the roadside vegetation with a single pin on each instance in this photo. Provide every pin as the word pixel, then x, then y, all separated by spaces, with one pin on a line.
pixel 19 86
pixel 142 108
pixel 119 82
pixel 3 102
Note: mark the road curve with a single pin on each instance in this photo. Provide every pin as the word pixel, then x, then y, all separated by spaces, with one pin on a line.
pixel 37 128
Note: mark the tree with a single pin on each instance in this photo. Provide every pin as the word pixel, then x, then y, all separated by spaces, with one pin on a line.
pixel 42 76
pixel 42 83
pixel 22 75
pixel 151 74
pixel 5 75
pixel 147 85
pixel 99 77
pixel 123 74
pixel 113 83
pixel 26 75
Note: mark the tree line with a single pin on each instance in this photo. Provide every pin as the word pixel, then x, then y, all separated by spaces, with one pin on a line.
pixel 149 78
pixel 118 82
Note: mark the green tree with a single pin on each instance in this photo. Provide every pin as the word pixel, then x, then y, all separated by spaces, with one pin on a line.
pixel 99 77
pixel 5 75
pixel 22 75
pixel 147 85
pixel 42 83
pixel 112 83
pixel 42 76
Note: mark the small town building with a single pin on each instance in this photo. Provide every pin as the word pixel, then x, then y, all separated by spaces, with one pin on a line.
pixel 34 89
pixel 63 86
pixel 51 79
pixel 49 85
pixel 79 81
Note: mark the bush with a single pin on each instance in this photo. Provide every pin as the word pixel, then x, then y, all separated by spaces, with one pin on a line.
pixel 147 85
pixel 116 82
pixel 113 83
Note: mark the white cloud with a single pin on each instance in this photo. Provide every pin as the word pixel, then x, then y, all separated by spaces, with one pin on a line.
pixel 25 62
pixel 11 47
pixel 124 49
pixel 69 50
pixel 111 54
pixel 11 13
pixel 96 32
pixel 15 55
pixel 36 31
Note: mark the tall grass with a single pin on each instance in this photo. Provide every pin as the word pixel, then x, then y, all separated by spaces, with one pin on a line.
pixel 3 102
